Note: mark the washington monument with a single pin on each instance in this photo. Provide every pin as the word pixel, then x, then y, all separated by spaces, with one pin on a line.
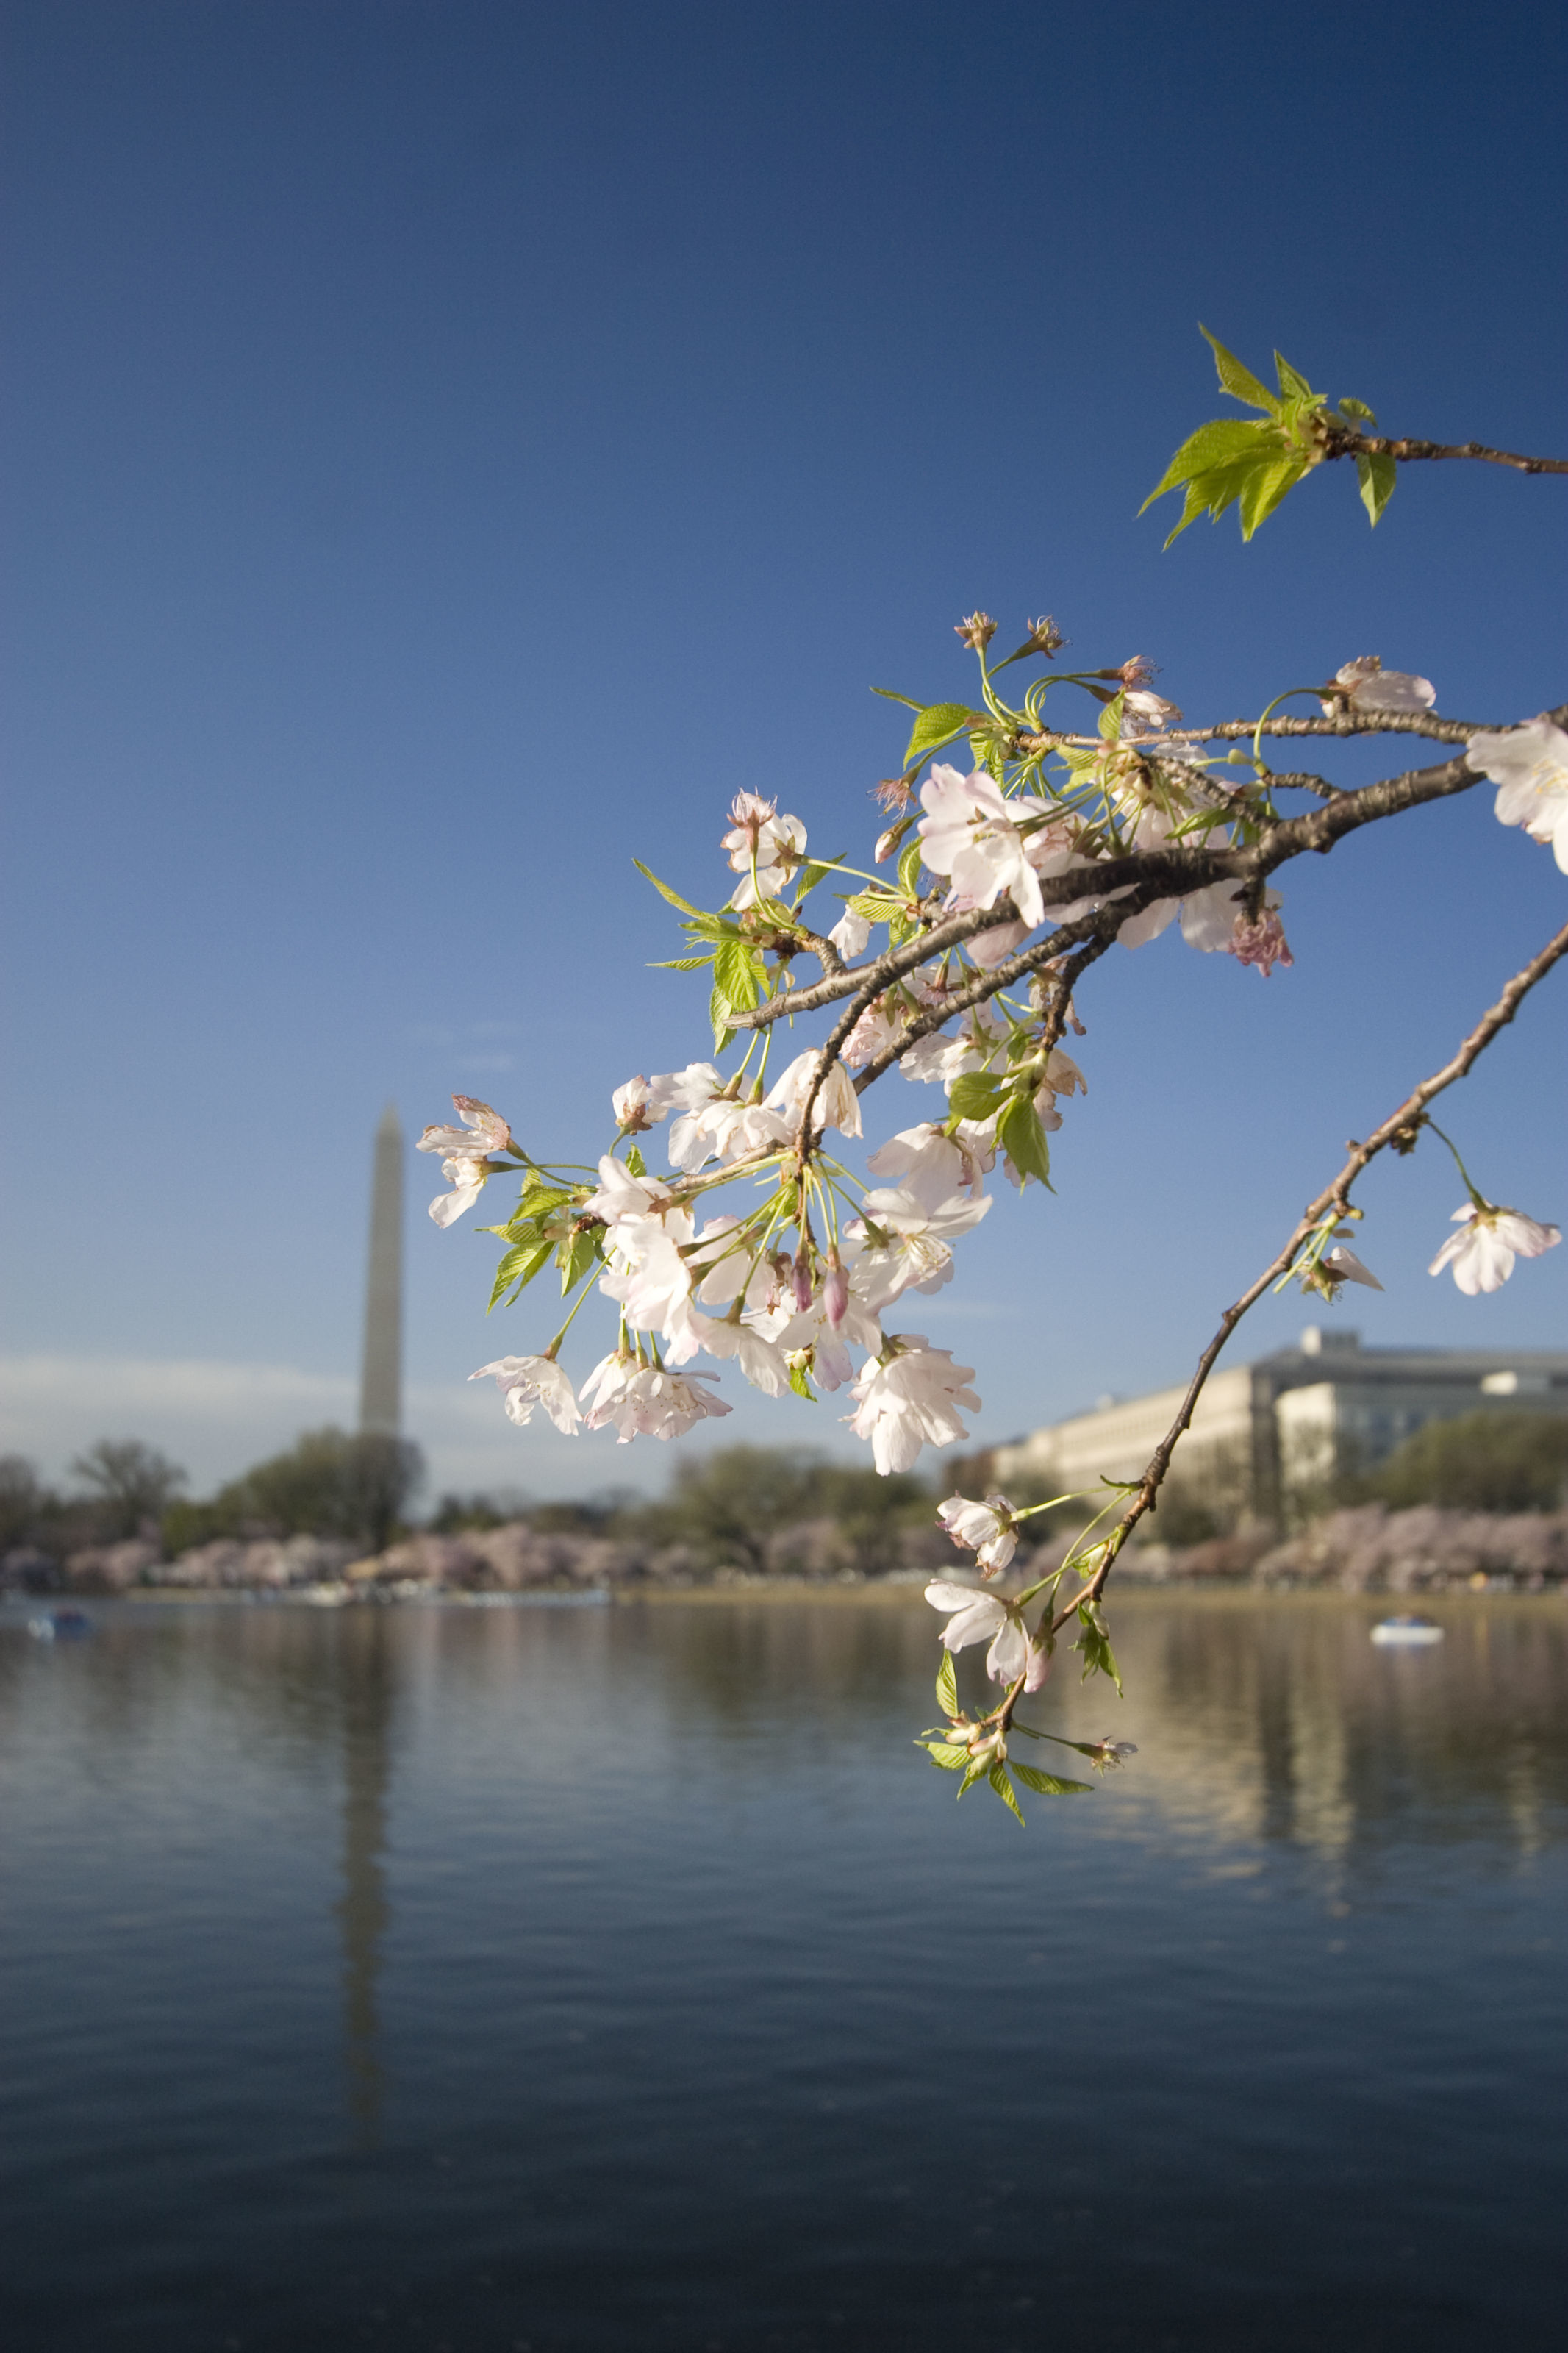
pixel 381 1370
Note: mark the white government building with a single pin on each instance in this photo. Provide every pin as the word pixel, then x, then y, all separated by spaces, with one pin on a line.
pixel 1271 1437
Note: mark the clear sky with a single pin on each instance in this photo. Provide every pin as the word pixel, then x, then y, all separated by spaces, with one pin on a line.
pixel 453 448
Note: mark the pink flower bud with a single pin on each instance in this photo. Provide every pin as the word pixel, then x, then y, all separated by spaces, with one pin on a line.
pixel 836 1292
pixel 801 1276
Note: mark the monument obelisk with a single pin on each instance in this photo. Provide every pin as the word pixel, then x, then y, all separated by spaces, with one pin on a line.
pixel 381 1370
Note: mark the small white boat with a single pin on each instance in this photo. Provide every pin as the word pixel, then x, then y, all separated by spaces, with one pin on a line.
pixel 1406 1634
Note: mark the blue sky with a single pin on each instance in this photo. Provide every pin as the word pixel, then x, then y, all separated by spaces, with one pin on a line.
pixel 453 449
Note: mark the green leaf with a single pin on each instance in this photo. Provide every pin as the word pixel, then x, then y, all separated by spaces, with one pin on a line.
pixel 1023 1139
pixel 1094 1645
pixel 998 1777
pixel 1050 1784
pixel 938 723
pixel 1378 475
pixel 909 869
pixel 943 1753
pixel 947 1685
pixel 973 1096
pixel 737 974
pixel 719 1012
pixel 681 963
pixel 1110 719
pixel 1220 443
pixel 1358 412
pixel 810 876
pixel 520 1266
pixel 575 1256
pixel 636 1162
pixel 1266 486
pixel 889 695
pixel 1240 382
pixel 663 890
pixel 800 1384
pixel 976 1772
pixel 1293 385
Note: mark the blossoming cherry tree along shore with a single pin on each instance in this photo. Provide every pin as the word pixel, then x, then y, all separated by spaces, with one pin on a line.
pixel 1027 832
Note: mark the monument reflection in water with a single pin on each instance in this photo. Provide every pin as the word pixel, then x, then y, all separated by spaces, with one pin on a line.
pixel 619 1977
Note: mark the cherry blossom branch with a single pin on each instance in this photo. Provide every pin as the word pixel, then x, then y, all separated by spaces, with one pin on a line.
pixel 1171 872
pixel 1399 1127
pixel 1343 441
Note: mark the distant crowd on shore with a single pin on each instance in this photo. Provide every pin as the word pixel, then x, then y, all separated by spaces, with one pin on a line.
pixel 1477 1504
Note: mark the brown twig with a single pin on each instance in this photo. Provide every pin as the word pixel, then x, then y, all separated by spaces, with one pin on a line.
pixel 1342 441
pixel 1334 1200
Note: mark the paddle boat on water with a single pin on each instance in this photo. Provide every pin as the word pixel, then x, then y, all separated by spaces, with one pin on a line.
pixel 1406 1632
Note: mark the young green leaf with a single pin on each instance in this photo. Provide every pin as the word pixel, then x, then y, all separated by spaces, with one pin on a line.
pixel 737 974
pixel 1110 719
pixel 681 963
pixel 519 1265
pixel 938 722
pixel 1378 475
pixel 1293 385
pixel 1221 443
pixel 635 1163
pixel 947 1685
pixel 942 1753
pixel 891 694
pixel 976 1772
pixel 1050 1784
pixel 1094 1645
pixel 719 1013
pixel 973 1096
pixel 909 869
pixel 1266 485
pixel 800 1384
pixel 1023 1139
pixel 1240 382
pixel 998 1777
pixel 663 890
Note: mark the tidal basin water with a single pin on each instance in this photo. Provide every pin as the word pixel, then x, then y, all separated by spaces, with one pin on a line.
pixel 513 1979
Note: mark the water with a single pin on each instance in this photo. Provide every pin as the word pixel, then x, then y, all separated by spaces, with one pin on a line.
pixel 525 1979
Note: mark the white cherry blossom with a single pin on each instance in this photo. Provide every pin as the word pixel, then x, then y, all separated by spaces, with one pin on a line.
pixel 765 849
pixel 1530 766
pixel 1482 1252
pixel 466 1151
pixel 1368 687
pixel 1143 714
pixel 849 934
pixel 907 1398
pixel 622 1195
pixel 977 1616
pixel 916 1254
pixel 970 833
pixel 525 1382
pixel 985 1529
pixel 724 1128
pixel 931 1165
pixel 878 1029
pixel 836 1104
pixel 1342 1265
pixel 760 1359
pixel 647 1271
pixel 645 1400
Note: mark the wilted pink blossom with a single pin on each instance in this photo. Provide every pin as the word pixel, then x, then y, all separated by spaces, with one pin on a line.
pixel 466 1150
